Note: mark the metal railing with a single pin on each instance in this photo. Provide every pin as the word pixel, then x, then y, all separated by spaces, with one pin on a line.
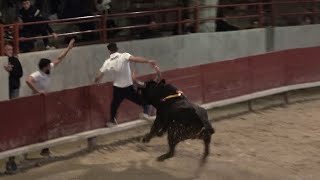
pixel 102 30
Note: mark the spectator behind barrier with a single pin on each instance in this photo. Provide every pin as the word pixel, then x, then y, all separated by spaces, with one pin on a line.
pixel 153 31
pixel 29 13
pixel 73 9
pixel 307 20
pixel 15 71
pixel 48 7
pixel 1 18
pixel 188 27
pixel 103 6
pixel 223 25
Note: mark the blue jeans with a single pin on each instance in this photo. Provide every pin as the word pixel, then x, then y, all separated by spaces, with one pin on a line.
pixel 14 93
pixel 147 109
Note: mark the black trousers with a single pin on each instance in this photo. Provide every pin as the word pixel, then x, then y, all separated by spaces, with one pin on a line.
pixel 119 94
pixel 35 30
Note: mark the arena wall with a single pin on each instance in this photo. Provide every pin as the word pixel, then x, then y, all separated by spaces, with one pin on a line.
pixel 41 118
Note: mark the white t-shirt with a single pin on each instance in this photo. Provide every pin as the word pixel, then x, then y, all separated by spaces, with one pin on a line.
pixel 42 80
pixel 119 65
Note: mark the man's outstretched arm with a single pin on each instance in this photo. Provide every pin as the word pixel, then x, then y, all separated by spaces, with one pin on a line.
pixel 64 53
pixel 98 77
pixel 137 59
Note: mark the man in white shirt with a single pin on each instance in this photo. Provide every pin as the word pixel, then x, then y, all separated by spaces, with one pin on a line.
pixel 39 81
pixel 119 65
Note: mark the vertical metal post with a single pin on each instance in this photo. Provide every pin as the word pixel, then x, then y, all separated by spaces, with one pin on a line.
pixel 16 38
pixel 315 11
pixel 2 43
pixel 261 15
pixel 274 13
pixel 250 105
pixel 197 17
pixel 179 21
pixel 103 32
pixel 92 143
pixel 286 98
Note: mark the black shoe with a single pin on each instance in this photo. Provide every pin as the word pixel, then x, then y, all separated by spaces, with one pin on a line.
pixel 45 152
pixel 11 166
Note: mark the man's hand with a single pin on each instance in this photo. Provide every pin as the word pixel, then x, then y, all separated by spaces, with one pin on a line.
pixel 158 76
pixel 71 44
pixel 42 92
pixel 157 68
pixel 152 63
pixel 39 92
pixel 8 67
pixel 98 77
pixel 134 75
pixel 55 36
pixel 64 53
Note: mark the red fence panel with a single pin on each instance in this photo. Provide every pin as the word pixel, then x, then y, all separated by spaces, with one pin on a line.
pixel 128 111
pixel 67 112
pixel 189 80
pixel 100 100
pixel 302 65
pixel 22 122
pixel 226 79
pixel 268 71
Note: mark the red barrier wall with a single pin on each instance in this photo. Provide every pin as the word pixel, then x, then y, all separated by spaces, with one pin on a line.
pixel 22 122
pixel 39 118
pixel 267 71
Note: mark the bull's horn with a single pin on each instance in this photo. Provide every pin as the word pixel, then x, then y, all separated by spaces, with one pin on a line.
pixel 140 84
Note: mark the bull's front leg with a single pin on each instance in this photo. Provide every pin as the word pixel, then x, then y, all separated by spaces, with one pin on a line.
pixel 155 129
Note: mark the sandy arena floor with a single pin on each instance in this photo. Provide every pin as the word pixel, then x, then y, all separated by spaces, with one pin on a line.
pixel 279 143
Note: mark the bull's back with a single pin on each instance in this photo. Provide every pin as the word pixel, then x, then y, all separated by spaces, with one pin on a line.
pixel 188 113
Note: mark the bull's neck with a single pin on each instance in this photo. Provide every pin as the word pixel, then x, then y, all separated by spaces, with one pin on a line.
pixel 159 104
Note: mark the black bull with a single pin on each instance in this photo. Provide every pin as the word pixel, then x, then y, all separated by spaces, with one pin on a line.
pixel 176 115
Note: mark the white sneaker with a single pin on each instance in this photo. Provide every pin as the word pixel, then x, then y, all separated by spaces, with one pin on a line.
pixel 146 117
pixel 50 47
pixel 111 125
pixel 115 121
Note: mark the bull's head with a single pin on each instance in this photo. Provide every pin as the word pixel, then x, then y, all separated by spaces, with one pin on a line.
pixel 157 93
pixel 152 91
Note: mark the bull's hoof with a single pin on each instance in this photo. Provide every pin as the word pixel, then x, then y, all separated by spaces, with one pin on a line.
pixel 203 161
pixel 160 133
pixel 164 157
pixel 146 139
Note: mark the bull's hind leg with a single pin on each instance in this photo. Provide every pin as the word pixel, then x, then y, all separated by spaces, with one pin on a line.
pixel 172 146
pixel 168 155
pixel 207 141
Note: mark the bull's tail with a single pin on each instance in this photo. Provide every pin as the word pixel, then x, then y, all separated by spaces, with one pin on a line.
pixel 207 127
